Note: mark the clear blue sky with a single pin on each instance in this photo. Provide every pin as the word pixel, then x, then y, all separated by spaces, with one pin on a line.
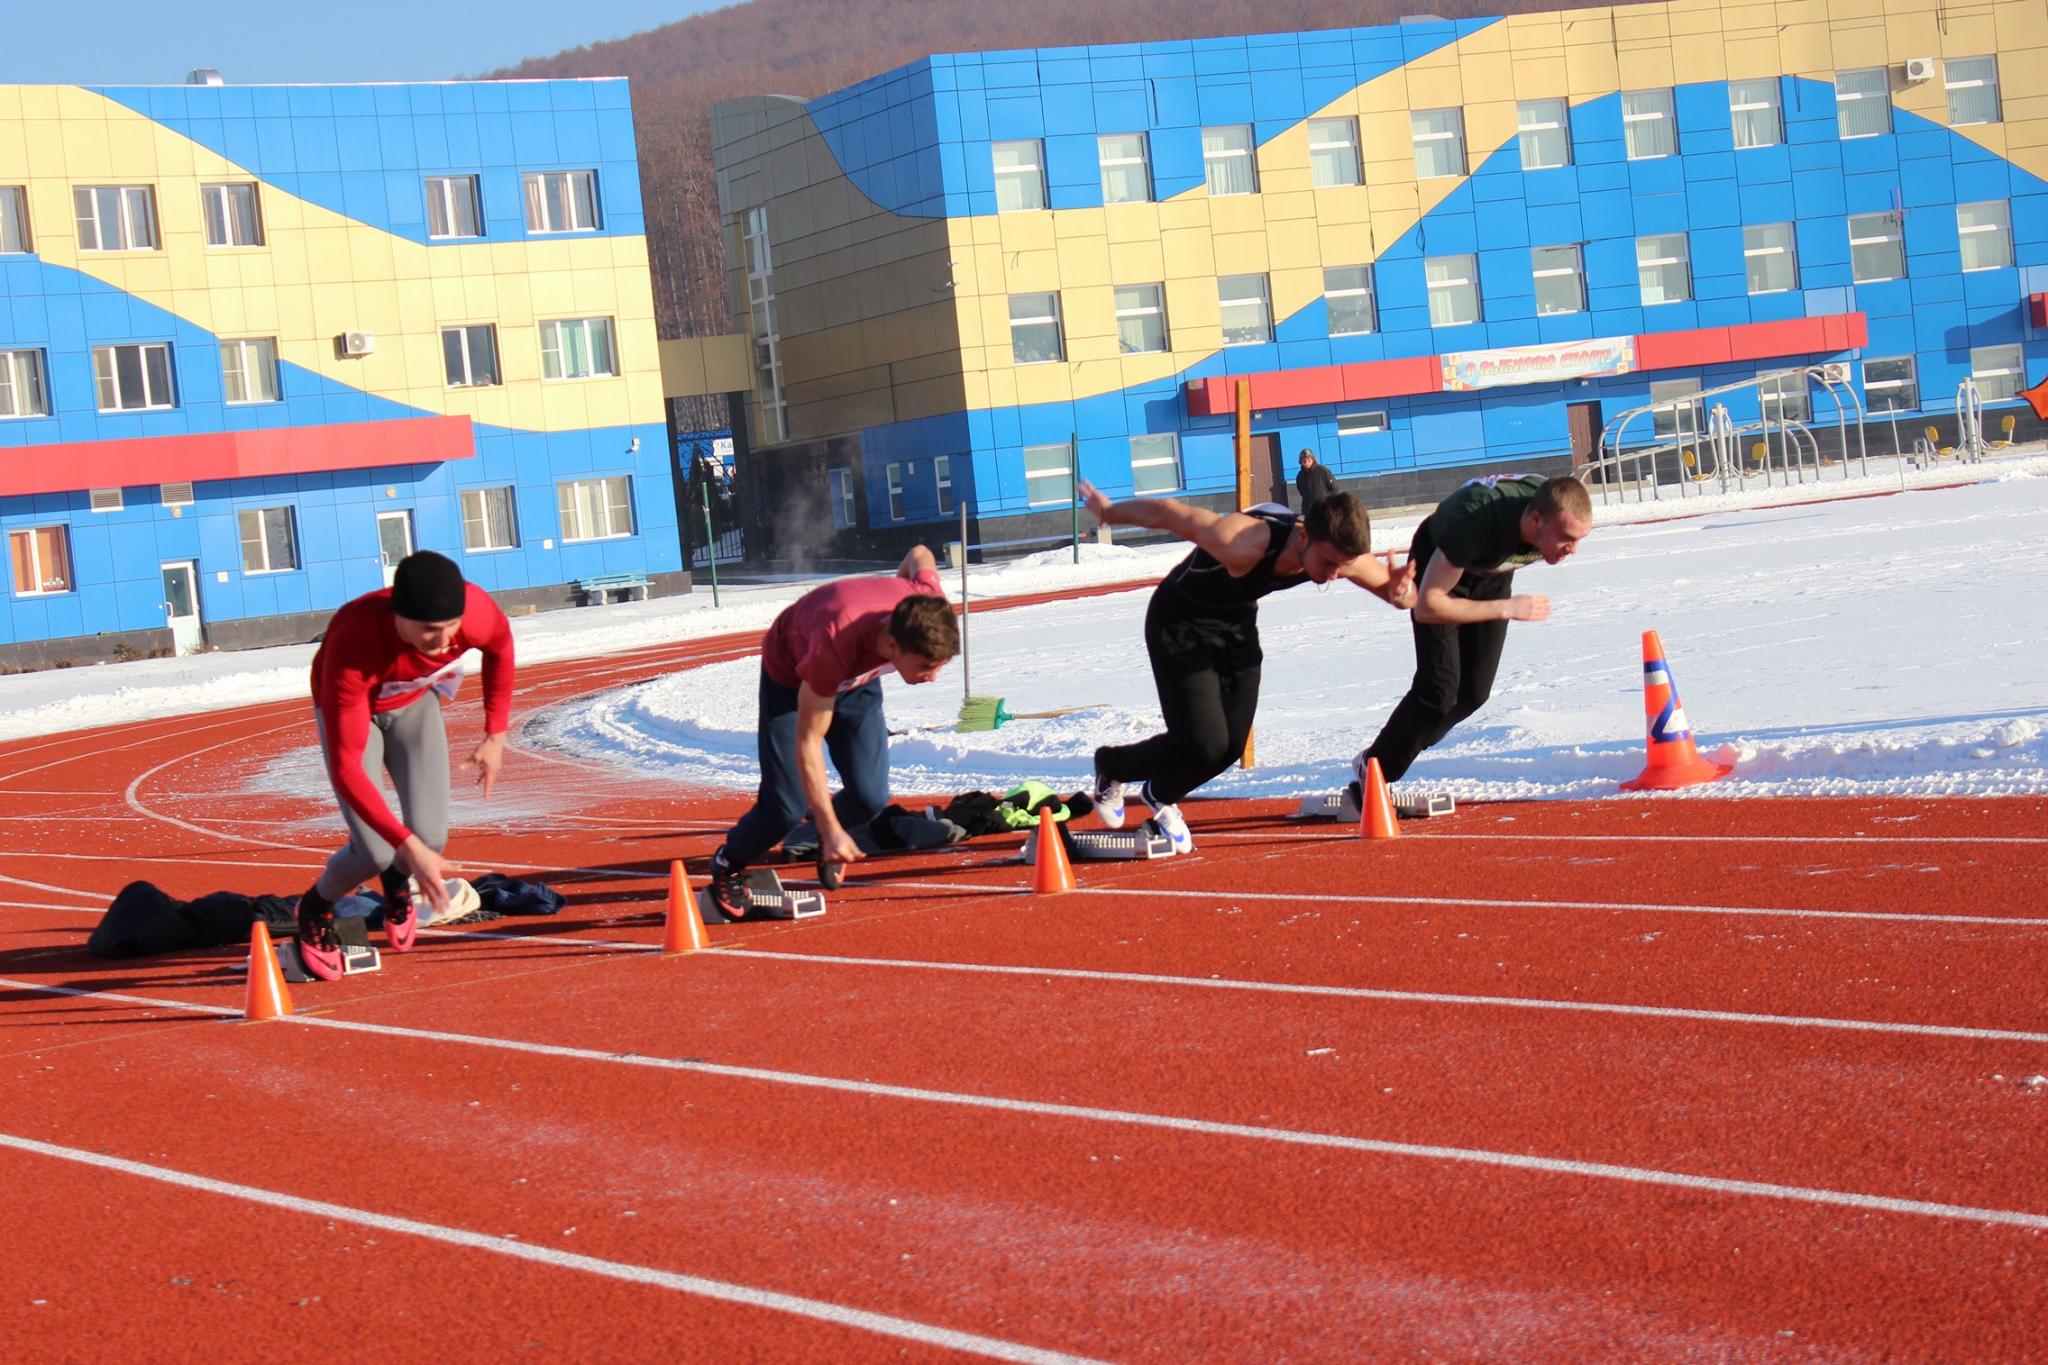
pixel 256 42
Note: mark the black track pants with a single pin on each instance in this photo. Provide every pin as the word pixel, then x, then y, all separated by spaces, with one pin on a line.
pixel 1207 673
pixel 1454 668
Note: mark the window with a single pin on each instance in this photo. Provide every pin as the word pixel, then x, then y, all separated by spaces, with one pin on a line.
pixel 842 498
pixel 1048 475
pixel 1546 134
pixel 561 201
pixel 105 500
pixel 1754 112
pixel 1674 415
pixel 1333 152
pixel 1972 84
pixel 577 348
pixel 115 217
pixel 1035 329
pixel 1347 295
pixel 22 390
pixel 1863 102
pixel 133 376
pixel 1126 171
pixel 595 509
pixel 1228 164
pixel 269 543
pixel 248 370
pixel 452 206
pixel 1246 312
pixel 1439 142
pixel 42 560
pixel 14 219
pixel 760 263
pixel 470 355
pixel 1647 124
pixel 175 494
pixel 488 521
pixel 1877 248
pixel 1453 283
pixel 1785 399
pixel 895 479
pixel 1997 371
pixel 1020 175
pixel 1664 268
pixel 1140 318
pixel 1890 384
pixel 1984 235
pixel 1155 464
pixel 1771 258
pixel 1360 423
pixel 1560 284
pixel 942 478
pixel 231 217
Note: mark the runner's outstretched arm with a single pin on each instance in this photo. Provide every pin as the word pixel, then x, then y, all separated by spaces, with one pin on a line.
pixel 1378 575
pixel 814 712
pixel 1436 606
pixel 1233 539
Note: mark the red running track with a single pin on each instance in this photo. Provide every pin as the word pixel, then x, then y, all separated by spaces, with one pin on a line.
pixel 1641 1079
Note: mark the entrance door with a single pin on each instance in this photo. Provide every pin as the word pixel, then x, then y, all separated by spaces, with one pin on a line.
pixel 394 539
pixel 1269 474
pixel 181 605
pixel 1585 430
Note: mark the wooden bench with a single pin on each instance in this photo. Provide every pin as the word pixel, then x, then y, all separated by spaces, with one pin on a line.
pixel 598 589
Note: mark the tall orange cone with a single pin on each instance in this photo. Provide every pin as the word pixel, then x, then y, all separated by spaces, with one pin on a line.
pixel 1376 818
pixel 1051 873
pixel 684 932
pixel 269 997
pixel 1674 761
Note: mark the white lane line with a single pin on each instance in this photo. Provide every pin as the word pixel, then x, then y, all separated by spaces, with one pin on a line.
pixel 1517 1161
pixel 820 1310
pixel 135 804
pixel 58 890
pixel 1821 841
pixel 42 905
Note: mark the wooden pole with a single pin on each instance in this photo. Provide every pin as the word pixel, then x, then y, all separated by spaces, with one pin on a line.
pixel 1249 758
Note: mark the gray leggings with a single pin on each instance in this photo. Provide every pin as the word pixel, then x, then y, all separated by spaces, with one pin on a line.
pixel 413 743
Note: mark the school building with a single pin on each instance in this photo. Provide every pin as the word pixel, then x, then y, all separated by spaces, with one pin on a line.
pixel 258 343
pixel 1433 248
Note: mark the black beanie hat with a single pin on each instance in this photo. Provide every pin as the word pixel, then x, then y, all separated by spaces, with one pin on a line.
pixel 428 587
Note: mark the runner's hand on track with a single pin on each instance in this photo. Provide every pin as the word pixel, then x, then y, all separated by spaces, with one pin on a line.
pixel 838 847
pixel 487 759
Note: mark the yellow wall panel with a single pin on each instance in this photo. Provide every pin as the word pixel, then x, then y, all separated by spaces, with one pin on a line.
pixel 1859 47
pixel 1137 262
pixel 1806 49
pixel 1240 253
pixel 1293 244
pixel 1084 261
pixel 1026 231
pixel 1240 212
pixel 1189 252
pixel 1591 71
pixel 1545 77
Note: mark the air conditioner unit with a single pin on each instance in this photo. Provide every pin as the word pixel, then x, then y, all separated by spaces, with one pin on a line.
pixel 1836 373
pixel 358 343
pixel 1919 68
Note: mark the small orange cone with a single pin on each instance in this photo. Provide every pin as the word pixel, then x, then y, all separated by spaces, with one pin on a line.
pixel 685 930
pixel 1376 819
pixel 1051 873
pixel 1674 761
pixel 269 997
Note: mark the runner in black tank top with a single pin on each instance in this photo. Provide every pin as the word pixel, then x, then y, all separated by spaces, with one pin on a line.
pixel 1202 633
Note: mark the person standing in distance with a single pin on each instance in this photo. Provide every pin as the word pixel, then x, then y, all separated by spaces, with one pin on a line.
pixel 1315 481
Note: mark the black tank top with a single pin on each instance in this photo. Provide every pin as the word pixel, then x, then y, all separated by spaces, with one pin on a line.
pixel 1200 587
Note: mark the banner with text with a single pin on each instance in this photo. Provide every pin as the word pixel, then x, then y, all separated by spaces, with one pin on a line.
pixel 1538 364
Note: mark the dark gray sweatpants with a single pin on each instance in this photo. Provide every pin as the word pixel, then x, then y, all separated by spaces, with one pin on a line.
pixel 412 743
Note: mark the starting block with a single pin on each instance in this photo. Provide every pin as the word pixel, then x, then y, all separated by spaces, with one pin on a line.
pixel 1410 803
pixel 1107 845
pixel 357 956
pixel 767 898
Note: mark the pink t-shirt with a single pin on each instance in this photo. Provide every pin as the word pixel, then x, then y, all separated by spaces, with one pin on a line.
pixel 827 637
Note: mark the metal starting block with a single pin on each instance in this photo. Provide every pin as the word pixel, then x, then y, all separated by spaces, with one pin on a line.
pixel 1410 803
pixel 767 898
pixel 1107 845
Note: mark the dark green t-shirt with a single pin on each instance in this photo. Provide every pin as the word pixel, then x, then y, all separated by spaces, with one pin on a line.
pixel 1479 527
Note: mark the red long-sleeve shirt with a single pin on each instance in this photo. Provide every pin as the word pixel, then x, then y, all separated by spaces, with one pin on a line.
pixel 363 669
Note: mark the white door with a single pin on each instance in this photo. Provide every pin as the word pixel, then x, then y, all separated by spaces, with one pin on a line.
pixel 394 540
pixel 181 605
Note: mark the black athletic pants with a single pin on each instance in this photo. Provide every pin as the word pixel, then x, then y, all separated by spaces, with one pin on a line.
pixel 1454 668
pixel 1207 673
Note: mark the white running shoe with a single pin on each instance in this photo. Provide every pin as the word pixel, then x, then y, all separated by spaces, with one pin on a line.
pixel 1109 799
pixel 1168 817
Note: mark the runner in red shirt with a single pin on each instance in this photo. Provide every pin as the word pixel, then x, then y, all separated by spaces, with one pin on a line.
pixel 382 657
pixel 821 689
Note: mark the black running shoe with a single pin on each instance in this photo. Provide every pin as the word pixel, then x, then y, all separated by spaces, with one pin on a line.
pixel 729 889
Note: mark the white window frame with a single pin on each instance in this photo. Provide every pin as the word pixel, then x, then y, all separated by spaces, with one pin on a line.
pixel 1788 249
pixel 220 207
pixel 1792 395
pixel 1857 98
pixel 1340 282
pixel 552 353
pixel 1751 97
pixel 443 193
pixel 106 369
pixel 1160 450
pixel 1019 176
pixel 15 237
pixel 1664 420
pixel 1033 323
pixel 1873 230
pixel 1333 153
pixel 942 484
pixel 1996 227
pixel 259 553
pixel 50 579
pixel 133 215
pixel 1438 136
pixel 24 384
pixel 1367 423
pixel 575 508
pixel 1131 302
pixel 1535 121
pixel 242 358
pixel 1661 263
pixel 1979 73
pixel 2004 366
pixel 1261 298
pixel 1570 265
pixel 1457 277
pixel 1063 472
pixel 466 353
pixel 840 482
pixel 1653 112
pixel 1115 166
pixel 1235 144
pixel 479 528
pixel 571 193
pixel 892 475
pixel 1910 383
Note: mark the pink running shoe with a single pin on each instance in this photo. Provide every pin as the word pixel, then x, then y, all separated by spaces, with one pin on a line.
pixel 401 920
pixel 319 948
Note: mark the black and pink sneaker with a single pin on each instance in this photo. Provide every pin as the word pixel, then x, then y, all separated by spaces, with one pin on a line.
pixel 319 947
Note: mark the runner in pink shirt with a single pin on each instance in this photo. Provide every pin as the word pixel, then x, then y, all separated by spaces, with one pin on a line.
pixel 821 690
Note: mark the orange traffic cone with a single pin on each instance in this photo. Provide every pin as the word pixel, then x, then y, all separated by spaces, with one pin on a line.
pixel 269 997
pixel 1674 761
pixel 1051 873
pixel 684 932
pixel 1376 817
